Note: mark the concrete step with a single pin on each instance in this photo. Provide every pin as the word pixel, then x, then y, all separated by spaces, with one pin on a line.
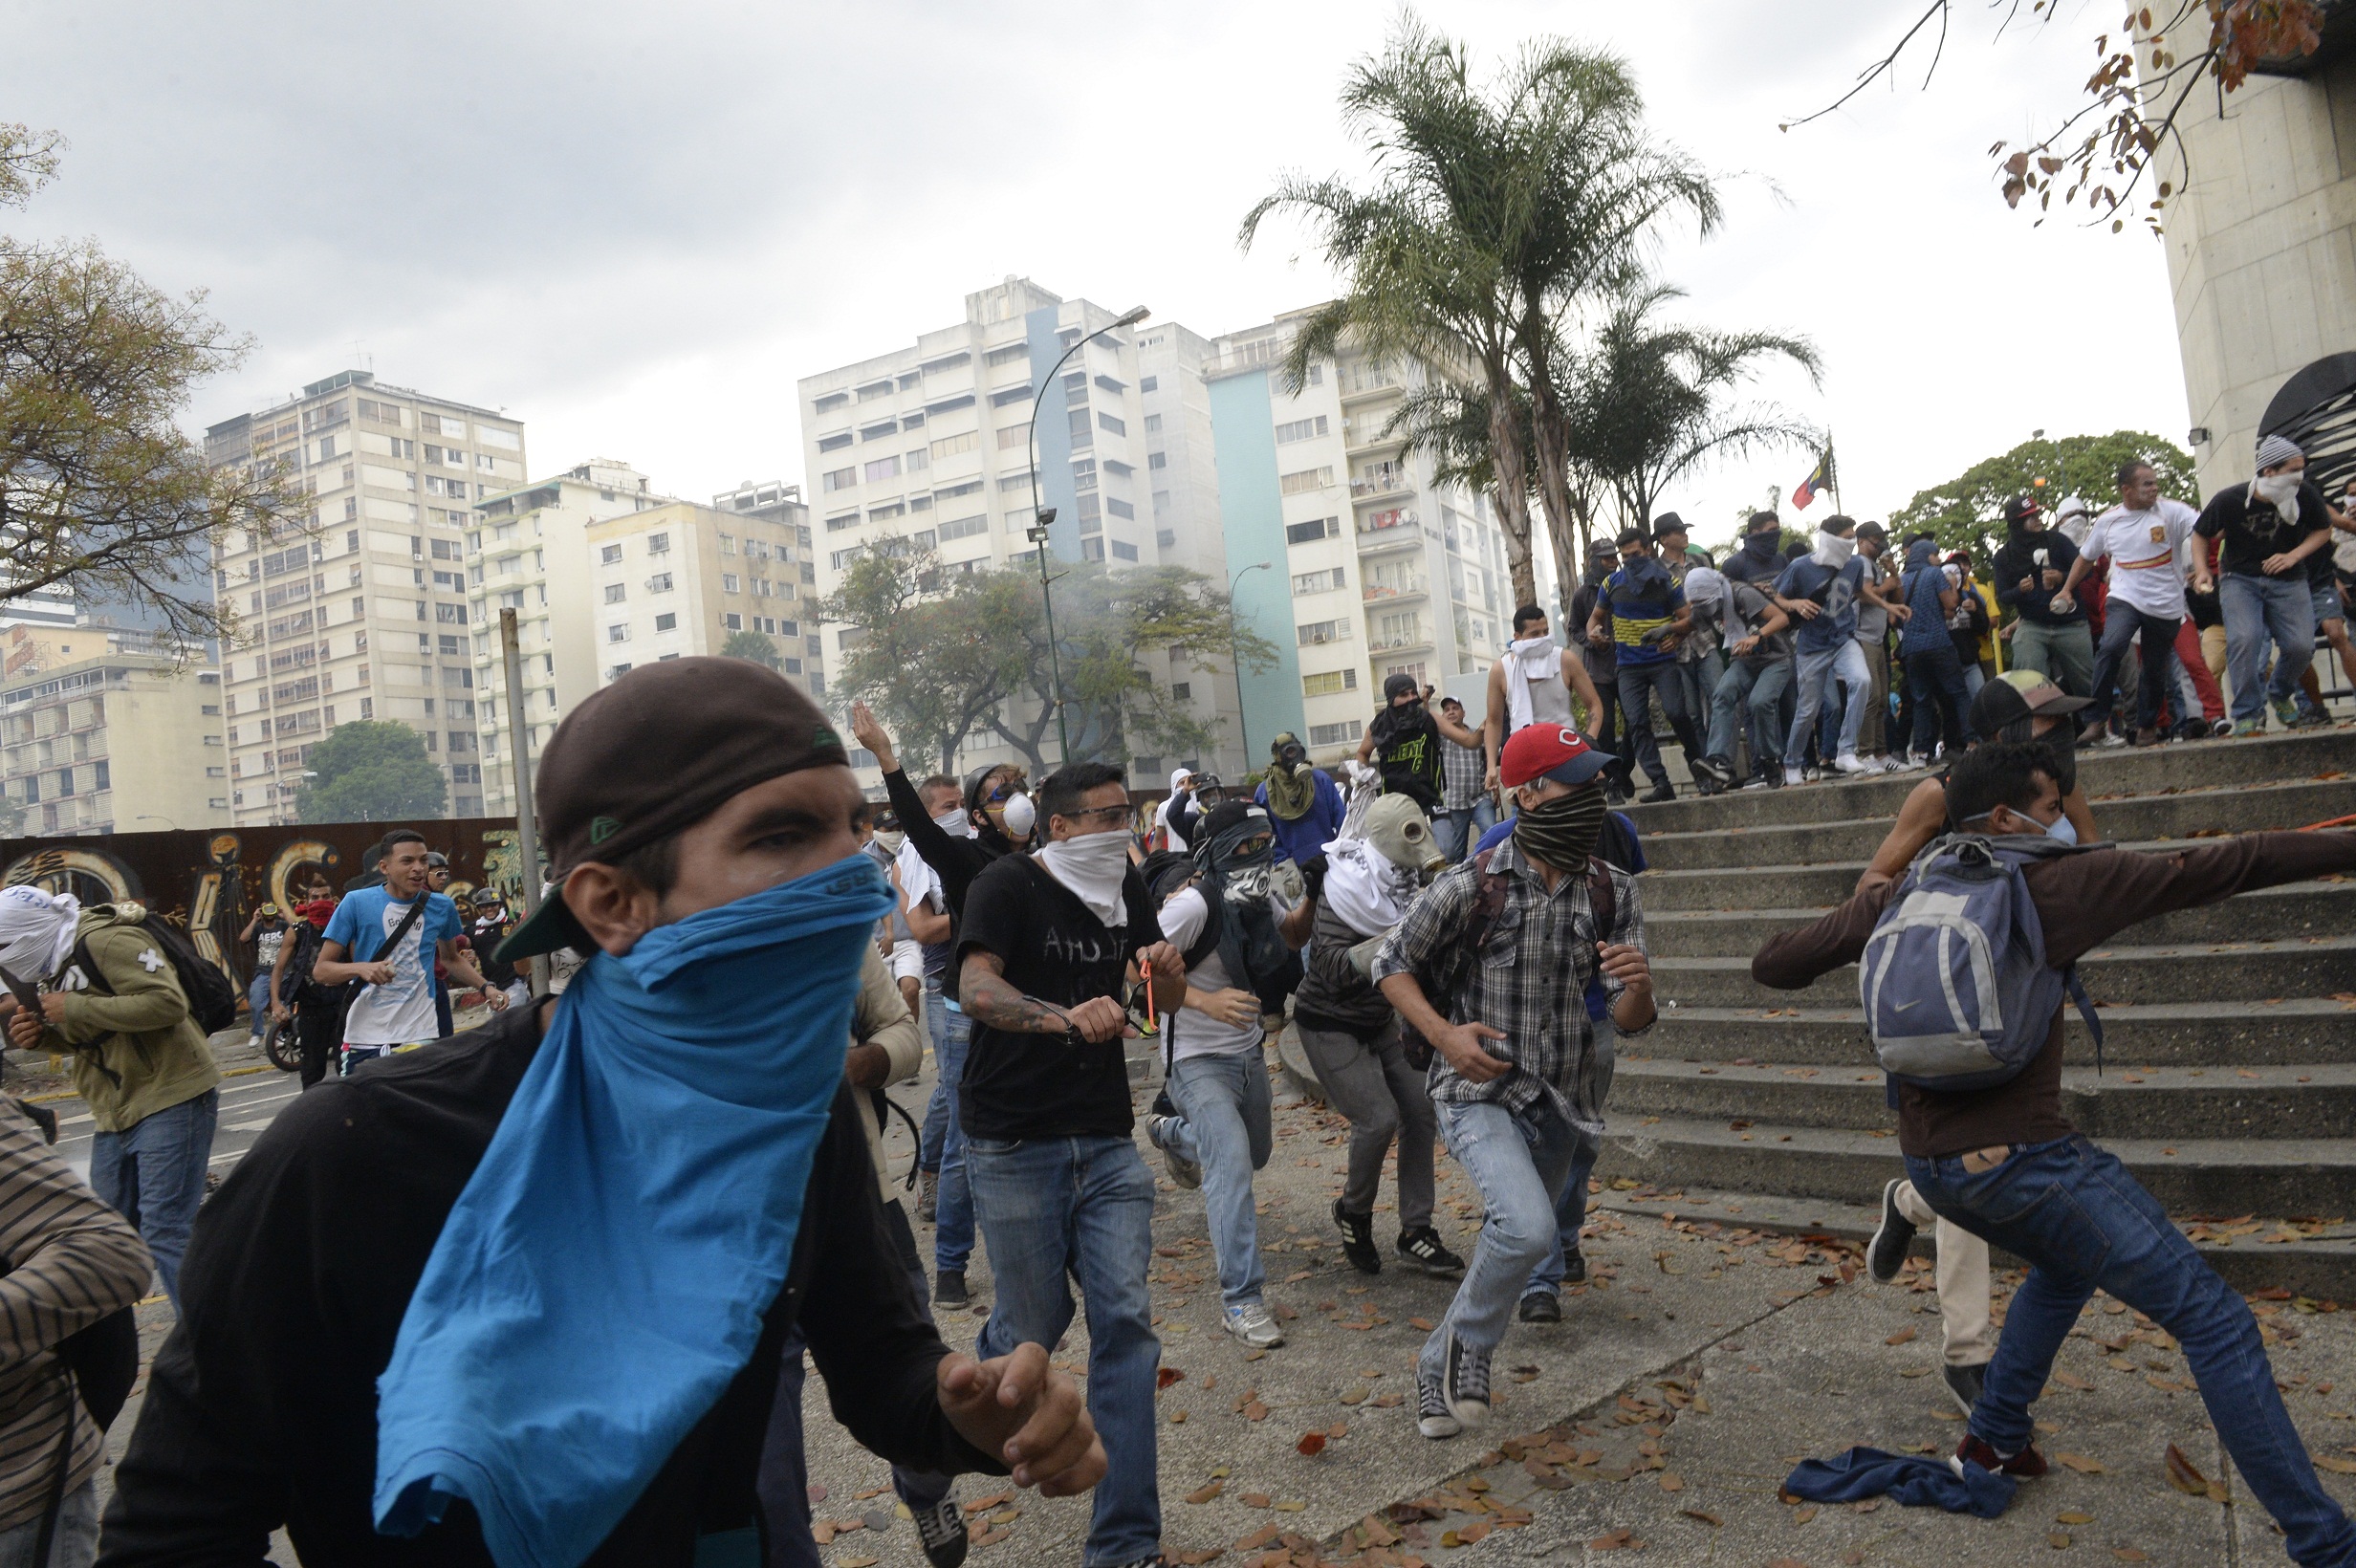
pixel 2274 914
pixel 2105 772
pixel 2282 1034
pixel 2244 808
pixel 2314 1100
pixel 2124 973
pixel 2210 1175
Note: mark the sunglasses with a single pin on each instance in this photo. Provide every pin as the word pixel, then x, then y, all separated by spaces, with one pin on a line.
pixel 1095 814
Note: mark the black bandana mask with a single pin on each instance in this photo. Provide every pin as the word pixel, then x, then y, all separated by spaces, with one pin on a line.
pixel 1561 832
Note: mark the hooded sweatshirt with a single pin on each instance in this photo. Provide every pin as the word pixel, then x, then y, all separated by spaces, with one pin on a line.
pixel 2018 559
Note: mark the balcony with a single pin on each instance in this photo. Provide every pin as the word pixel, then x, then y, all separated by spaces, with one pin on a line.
pixel 1414 588
pixel 1396 483
pixel 1360 435
pixel 1418 639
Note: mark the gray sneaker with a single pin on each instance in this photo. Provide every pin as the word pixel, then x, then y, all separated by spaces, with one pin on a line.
pixel 1253 1324
pixel 1464 1382
pixel 1432 1417
pixel 1182 1170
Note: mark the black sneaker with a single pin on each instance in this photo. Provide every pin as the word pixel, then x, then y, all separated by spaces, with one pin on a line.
pixel 1885 1253
pixel 1706 786
pixel 1964 1383
pixel 1574 1266
pixel 1657 795
pixel 949 1290
pixel 1422 1247
pixel 1358 1240
pixel 1542 1307
pixel 1465 1384
pixel 941 1528
pixel 1432 1417
pixel 1717 767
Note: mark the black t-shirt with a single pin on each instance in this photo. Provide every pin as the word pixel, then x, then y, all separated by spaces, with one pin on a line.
pixel 2253 529
pixel 1025 1085
pixel 486 934
pixel 1408 756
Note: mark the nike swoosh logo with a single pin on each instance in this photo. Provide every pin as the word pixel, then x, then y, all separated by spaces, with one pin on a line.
pixel 1901 1007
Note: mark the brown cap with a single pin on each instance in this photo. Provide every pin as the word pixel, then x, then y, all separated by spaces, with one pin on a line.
pixel 654 753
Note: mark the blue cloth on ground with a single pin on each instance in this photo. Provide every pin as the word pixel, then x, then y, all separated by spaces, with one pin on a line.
pixel 605 1275
pixel 1916 1480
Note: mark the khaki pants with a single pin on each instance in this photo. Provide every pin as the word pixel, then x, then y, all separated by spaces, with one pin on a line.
pixel 1962 1277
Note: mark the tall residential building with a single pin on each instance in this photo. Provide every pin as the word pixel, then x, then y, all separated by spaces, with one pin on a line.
pixel 47 608
pixel 795 630
pixel 107 731
pixel 930 445
pixel 1377 569
pixel 366 614
pixel 681 579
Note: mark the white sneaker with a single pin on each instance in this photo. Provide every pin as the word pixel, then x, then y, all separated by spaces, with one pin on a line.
pixel 1182 1170
pixel 1252 1324
pixel 1791 775
pixel 1846 763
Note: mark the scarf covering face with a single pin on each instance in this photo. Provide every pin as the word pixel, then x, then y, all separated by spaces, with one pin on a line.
pixel 316 911
pixel 1292 783
pixel 1562 832
pixel 36 931
pixel 2281 491
pixel 1093 867
pixel 1393 722
pixel 605 1275
pixel 1365 887
pixel 1832 549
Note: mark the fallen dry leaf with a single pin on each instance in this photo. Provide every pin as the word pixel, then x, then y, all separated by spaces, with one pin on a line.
pixel 1259 1537
pixel 1177 1418
pixel 2073 1517
pixel 1617 1541
pixel 1424 1323
pixel 1205 1492
pixel 1902 1337
pixel 982 1505
pixel 1311 1444
pixel 2059 1541
pixel 1255 1412
pixel 2079 1463
pixel 1254 1499
pixel 1167 1376
pixel 1803 1516
pixel 1672 1481
pixel 2070 1380
pixel 2183 1475
pixel 1706 1516
pixel 2337 1466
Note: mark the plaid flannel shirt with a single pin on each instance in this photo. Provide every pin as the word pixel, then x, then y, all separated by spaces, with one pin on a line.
pixel 1464 776
pixel 1531 980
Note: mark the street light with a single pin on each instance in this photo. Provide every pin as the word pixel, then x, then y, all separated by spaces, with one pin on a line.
pixel 1243 726
pixel 1041 517
pixel 150 816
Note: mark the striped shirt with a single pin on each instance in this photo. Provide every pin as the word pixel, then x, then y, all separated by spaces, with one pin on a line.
pixel 1641 600
pixel 71 1261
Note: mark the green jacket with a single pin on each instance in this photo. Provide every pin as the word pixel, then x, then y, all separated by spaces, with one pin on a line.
pixel 143 1035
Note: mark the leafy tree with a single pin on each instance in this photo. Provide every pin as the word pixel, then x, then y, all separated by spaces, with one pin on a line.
pixel 99 489
pixel 1967 512
pixel 757 646
pixel 372 771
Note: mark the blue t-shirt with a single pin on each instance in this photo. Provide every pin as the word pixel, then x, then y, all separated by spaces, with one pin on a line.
pixel 400 1013
pixel 1642 601
pixel 1926 630
pixel 1836 591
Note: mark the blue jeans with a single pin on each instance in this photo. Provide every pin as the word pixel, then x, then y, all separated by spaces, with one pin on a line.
pixel 1458 831
pixel 2259 611
pixel 1761 691
pixel 1519 1162
pixel 154 1176
pixel 1224 1105
pixel 2083 1222
pixel 1570 1215
pixel 1046 1205
pixel 258 1003
pixel 1934 675
pixel 1819 676
pixel 944 1150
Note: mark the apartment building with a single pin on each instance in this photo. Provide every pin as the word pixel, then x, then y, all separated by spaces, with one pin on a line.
pixel 682 580
pixel 1377 569
pixel 929 447
pixel 51 608
pixel 107 731
pixel 781 506
pixel 366 612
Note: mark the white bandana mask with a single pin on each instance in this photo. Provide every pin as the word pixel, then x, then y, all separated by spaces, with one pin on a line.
pixel 1093 867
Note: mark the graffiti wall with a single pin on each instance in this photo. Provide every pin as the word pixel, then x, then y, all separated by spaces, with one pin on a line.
pixel 212 883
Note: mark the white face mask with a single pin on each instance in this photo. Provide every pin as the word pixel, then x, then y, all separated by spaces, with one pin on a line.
pixel 1022 817
pixel 1093 867
pixel 891 838
pixel 954 823
pixel 1832 549
pixel 2281 491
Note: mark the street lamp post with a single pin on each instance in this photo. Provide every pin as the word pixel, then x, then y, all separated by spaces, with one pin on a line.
pixel 1243 724
pixel 150 816
pixel 1041 517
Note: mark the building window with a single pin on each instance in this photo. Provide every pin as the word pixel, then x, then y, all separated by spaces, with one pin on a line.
pixel 1157 460
pixel 1165 537
pixel 616 672
pixel 1309 532
pixel 835 443
pixel 731 583
pixel 616 592
pixel 610 555
pixel 1314 632
pixel 1317 583
pixel 964 528
pixel 1335 734
pixel 1300 429
pixel 659 583
pixel 1329 684
pixel 882 468
pixel 1305 480
pixel 658 544
pixel 1107 423
pixel 618 633
pixel 838 479
pixel 1182 691
pixel 951 445
pixel 1092 549
pixel 1013 436
pixel 1118 507
pixel 732 621
pixel 1123 551
pixel 666 622
pixel 453 615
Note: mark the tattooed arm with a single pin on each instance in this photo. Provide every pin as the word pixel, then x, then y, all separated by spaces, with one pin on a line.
pixel 988 998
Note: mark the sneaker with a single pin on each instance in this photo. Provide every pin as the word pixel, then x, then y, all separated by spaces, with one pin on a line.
pixel 1574 1266
pixel 2193 729
pixel 1253 1324
pixel 2244 729
pixel 1464 1384
pixel 1813 773
pixel 1658 794
pixel 1717 767
pixel 1706 786
pixel 949 1289
pixel 1847 762
pixel 2148 738
pixel 1793 776
pixel 2310 718
pixel 1542 1307
pixel 929 1198
pixel 2025 1466
pixel 1422 1248
pixel 1182 1170
pixel 1358 1240
pixel 1889 765
pixel 2286 712
pixel 1614 794
pixel 941 1529
pixel 1965 1384
pixel 2110 738
pixel 2222 728
pixel 1432 1417
pixel 1885 1253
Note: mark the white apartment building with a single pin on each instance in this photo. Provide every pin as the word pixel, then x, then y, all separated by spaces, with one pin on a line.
pixel 929 447
pixel 1379 570
pixel 367 613
pixel 802 649
pixel 108 730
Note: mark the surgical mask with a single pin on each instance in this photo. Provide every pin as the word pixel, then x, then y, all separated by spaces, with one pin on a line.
pixel 954 823
pixel 1022 817
pixel 2063 830
pixel 891 838
pixel 1832 549
pixel 1093 867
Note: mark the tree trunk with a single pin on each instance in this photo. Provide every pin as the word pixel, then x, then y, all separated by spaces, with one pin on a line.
pixel 1510 465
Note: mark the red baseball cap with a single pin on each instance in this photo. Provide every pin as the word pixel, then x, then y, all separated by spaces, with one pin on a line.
pixel 1546 751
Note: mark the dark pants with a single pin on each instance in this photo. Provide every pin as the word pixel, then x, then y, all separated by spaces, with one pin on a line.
pixel 1934 676
pixel 1607 726
pixel 317 1030
pixel 1637 685
pixel 2123 623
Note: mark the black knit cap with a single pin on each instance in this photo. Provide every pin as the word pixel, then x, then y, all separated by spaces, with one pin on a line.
pixel 653 755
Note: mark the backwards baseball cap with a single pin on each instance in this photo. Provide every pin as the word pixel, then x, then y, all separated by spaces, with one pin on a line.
pixel 2015 695
pixel 2022 508
pixel 1547 751
pixel 653 755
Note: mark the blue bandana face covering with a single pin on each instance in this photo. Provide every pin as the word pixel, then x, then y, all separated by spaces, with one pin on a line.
pixel 605 1275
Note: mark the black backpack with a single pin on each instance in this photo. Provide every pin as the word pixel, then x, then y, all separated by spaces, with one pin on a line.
pixel 212 995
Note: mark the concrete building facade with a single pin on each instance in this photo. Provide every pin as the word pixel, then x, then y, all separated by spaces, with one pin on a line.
pixel 104 731
pixel 678 580
pixel 366 612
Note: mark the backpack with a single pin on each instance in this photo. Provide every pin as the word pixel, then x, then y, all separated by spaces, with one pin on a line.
pixel 212 995
pixel 1955 987
pixel 1453 966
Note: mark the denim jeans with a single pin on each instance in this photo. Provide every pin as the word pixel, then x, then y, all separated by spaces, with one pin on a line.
pixel 1519 1162
pixel 1570 1217
pixel 1046 1205
pixel 258 1003
pixel 1637 684
pixel 2259 611
pixel 1818 674
pixel 952 1213
pixel 1761 691
pixel 1370 1082
pixel 1458 831
pixel 2063 655
pixel 2083 1222
pixel 74 1545
pixel 2123 624
pixel 1935 676
pixel 1223 1107
pixel 154 1176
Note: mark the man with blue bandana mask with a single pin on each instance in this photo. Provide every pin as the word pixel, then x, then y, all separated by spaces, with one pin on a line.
pixel 519 1298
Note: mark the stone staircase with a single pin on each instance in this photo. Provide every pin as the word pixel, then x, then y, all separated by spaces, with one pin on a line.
pixel 2229 1076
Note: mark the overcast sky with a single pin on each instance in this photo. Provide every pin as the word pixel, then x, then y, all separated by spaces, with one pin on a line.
pixel 634 225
